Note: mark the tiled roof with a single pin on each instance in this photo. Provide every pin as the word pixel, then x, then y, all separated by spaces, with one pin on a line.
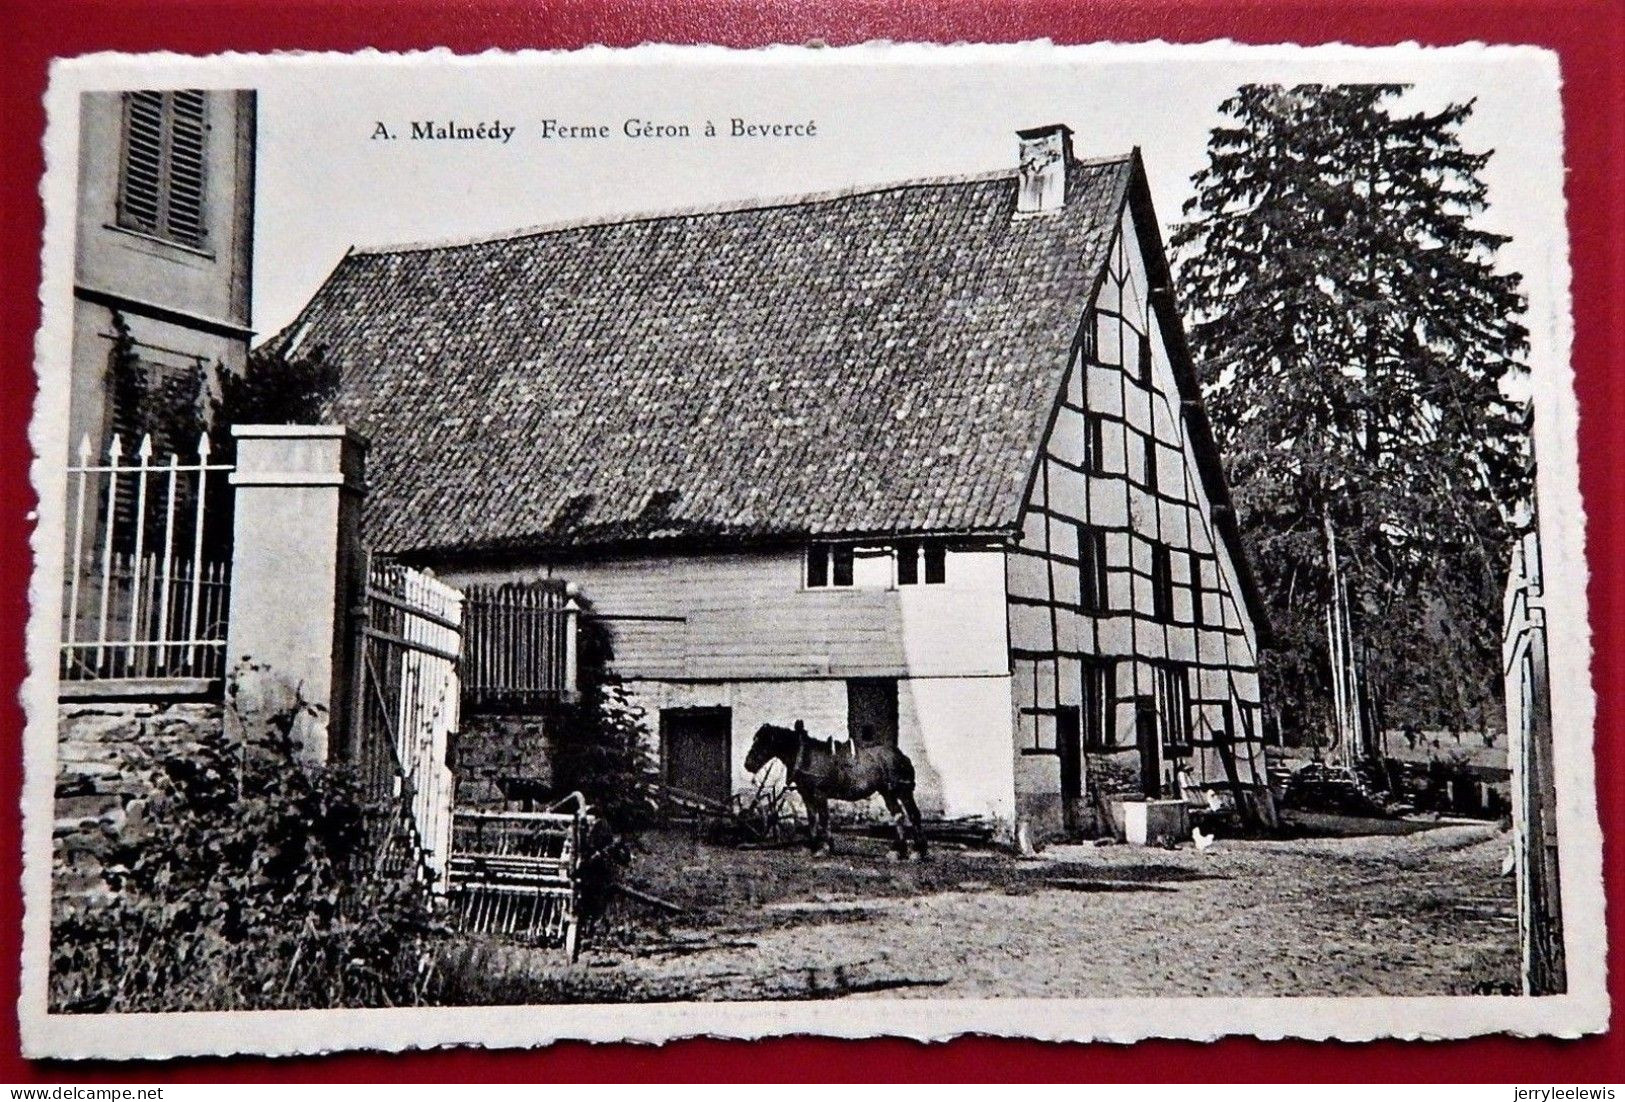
pixel 874 362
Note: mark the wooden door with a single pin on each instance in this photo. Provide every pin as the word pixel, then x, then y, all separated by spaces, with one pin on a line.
pixel 1069 745
pixel 696 747
pixel 1148 734
pixel 871 703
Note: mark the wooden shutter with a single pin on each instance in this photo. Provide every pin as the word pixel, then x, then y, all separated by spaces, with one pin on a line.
pixel 1172 688
pixel 1099 732
pixel 817 567
pixel 185 214
pixel 936 564
pixel 1094 443
pixel 1197 613
pixel 840 566
pixel 141 196
pixel 908 563
pixel 161 189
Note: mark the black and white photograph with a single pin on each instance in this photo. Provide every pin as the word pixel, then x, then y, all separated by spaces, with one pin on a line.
pixel 1063 542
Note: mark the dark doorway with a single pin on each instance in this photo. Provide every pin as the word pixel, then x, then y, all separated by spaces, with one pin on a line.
pixel 696 750
pixel 1148 735
pixel 1069 745
pixel 871 702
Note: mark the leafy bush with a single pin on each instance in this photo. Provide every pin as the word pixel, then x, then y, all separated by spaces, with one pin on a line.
pixel 170 405
pixel 602 748
pixel 249 880
pixel 277 389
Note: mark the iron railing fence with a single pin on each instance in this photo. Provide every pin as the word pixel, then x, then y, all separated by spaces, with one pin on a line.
pixel 147 582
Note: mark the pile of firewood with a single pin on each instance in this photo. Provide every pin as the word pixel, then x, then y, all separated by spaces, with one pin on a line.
pixel 966 830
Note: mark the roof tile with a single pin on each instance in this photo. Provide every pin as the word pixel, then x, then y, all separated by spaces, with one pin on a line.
pixel 874 362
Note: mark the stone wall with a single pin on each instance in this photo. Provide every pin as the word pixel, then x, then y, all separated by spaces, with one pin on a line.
pixel 105 753
pixel 501 760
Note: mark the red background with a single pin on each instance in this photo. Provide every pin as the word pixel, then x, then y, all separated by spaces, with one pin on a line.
pixel 1589 37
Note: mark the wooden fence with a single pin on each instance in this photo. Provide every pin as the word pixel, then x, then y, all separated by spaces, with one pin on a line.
pixel 521 645
pixel 145 586
pixel 1527 681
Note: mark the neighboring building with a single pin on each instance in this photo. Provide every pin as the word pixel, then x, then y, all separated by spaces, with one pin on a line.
pixel 161 286
pixel 927 458
pixel 163 247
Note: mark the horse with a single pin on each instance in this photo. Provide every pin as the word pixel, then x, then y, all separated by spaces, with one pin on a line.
pixel 822 773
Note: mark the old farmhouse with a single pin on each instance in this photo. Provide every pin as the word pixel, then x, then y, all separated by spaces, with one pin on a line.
pixel 927 458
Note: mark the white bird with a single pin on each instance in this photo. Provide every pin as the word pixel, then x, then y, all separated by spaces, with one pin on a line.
pixel 1510 862
pixel 1203 841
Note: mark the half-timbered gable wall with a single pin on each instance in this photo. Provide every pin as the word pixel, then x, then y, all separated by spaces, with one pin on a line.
pixel 1132 651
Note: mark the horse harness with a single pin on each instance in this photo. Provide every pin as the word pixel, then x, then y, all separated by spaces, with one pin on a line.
pixel 803 739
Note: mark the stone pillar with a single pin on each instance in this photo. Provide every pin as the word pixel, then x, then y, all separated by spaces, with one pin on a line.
pixel 296 569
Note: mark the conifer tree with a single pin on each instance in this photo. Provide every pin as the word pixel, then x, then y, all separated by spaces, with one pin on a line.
pixel 1353 336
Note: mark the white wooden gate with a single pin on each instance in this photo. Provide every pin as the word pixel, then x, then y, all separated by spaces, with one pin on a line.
pixel 408 642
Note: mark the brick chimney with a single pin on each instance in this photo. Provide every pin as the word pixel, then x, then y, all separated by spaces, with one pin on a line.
pixel 1041 178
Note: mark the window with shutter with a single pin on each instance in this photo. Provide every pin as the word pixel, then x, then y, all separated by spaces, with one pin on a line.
pixel 830 566
pixel 922 562
pixel 1162 582
pixel 1094 443
pixel 1091 570
pixel 161 186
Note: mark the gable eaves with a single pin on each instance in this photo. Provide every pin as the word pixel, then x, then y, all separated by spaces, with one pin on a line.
pixel 1193 410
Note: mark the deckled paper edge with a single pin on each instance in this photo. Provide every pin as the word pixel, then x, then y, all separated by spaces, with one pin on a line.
pixel 1585 1009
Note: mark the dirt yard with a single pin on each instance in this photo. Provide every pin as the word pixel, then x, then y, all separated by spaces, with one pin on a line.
pixel 1413 909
